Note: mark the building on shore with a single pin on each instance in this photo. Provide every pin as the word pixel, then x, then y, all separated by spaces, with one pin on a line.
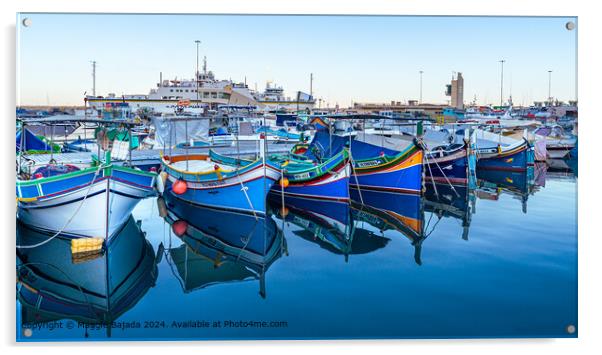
pixel 432 110
pixel 455 91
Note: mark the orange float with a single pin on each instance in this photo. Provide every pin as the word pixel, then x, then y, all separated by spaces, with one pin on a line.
pixel 179 227
pixel 179 187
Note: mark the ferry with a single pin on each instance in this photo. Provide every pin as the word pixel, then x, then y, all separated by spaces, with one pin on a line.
pixel 273 99
pixel 198 95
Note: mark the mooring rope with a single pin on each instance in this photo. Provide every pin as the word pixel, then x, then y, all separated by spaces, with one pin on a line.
pixel 100 167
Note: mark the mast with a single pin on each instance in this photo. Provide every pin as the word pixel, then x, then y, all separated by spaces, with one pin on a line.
pixel 197 70
pixel 93 78
pixel 502 83
pixel 311 84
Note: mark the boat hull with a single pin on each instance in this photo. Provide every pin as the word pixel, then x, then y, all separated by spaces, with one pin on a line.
pixel 402 176
pixel 95 209
pixel 245 193
pixel 452 168
pixel 332 186
pixel 514 160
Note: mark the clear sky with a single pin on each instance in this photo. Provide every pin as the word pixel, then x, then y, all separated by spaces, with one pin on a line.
pixel 353 58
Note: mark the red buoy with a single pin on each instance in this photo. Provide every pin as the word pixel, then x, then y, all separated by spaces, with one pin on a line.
pixel 153 169
pixel 179 187
pixel 38 176
pixel 179 227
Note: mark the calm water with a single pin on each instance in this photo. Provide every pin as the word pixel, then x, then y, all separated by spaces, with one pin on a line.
pixel 496 261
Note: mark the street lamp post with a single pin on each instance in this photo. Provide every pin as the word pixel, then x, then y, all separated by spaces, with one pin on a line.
pixel 502 83
pixel 550 86
pixel 421 87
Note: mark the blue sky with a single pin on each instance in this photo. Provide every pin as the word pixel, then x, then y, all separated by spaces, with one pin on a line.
pixel 354 59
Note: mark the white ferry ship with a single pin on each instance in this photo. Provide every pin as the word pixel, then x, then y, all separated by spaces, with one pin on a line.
pixel 206 92
pixel 273 99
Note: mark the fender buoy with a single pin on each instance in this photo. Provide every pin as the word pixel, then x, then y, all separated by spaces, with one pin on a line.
pixel 179 187
pixel 162 207
pixel 179 227
pixel 38 176
pixel 160 182
pixel 284 182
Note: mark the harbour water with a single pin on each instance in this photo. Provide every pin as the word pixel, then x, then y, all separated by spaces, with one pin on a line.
pixel 497 261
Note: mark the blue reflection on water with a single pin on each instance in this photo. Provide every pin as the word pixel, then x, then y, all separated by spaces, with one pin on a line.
pixel 498 261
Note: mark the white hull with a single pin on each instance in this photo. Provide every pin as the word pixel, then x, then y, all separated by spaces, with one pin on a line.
pixel 557 153
pixel 105 210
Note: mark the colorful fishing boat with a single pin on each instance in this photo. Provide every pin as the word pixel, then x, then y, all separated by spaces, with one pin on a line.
pixel 310 171
pixel 90 202
pixel 443 162
pixel 377 168
pixel 53 283
pixel 217 181
pixel 497 152
pixel 450 163
pixel 221 246
pixel 558 143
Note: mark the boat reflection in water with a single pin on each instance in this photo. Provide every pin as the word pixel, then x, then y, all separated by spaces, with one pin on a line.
pixel 491 184
pixel 444 200
pixel 341 228
pixel 220 246
pixel 403 213
pixel 92 288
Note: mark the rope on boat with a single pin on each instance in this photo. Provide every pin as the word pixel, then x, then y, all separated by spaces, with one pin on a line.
pixel 446 179
pixel 359 190
pixel 244 189
pixel 432 177
pixel 100 167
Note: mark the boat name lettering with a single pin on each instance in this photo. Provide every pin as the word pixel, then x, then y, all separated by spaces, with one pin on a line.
pixel 364 164
pixel 301 176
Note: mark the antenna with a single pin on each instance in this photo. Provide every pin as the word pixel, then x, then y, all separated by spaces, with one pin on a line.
pixel 502 61
pixel 311 84
pixel 93 78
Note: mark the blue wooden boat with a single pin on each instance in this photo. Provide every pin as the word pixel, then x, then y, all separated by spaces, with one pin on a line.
pixel 309 174
pixel 221 246
pixel 90 202
pixel 442 161
pixel 54 284
pixel 452 164
pixel 217 181
pixel 497 152
pixel 374 167
pixel 377 168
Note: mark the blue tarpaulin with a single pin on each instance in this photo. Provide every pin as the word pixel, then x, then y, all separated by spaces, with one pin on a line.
pixel 32 142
